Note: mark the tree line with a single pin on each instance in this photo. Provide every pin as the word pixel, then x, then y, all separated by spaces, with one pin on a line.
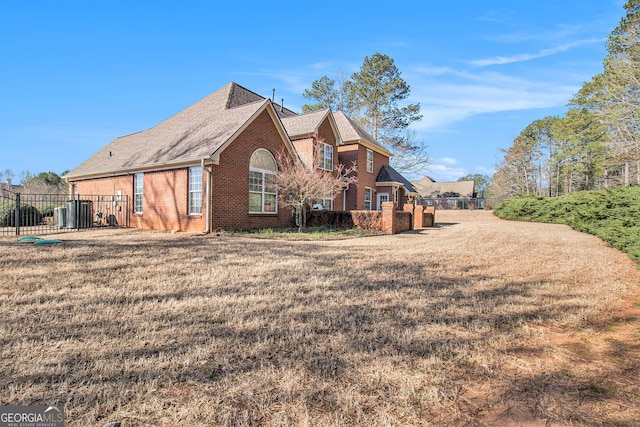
pixel 596 144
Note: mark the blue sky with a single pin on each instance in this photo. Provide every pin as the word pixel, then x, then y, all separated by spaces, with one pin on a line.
pixel 74 75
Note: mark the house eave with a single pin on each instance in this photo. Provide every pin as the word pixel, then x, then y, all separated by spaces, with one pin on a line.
pixel 370 146
pixel 138 169
pixel 389 184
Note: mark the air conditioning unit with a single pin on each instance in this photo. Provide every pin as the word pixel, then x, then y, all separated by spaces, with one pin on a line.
pixel 79 214
pixel 60 217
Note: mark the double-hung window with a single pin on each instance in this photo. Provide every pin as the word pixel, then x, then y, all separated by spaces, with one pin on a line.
pixel 367 199
pixel 138 192
pixel 369 160
pixel 195 191
pixel 327 202
pixel 263 194
pixel 326 156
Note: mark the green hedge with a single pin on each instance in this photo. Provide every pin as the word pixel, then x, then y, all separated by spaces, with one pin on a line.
pixel 614 215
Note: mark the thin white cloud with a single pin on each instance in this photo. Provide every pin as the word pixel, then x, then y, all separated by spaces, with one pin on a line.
pixel 500 60
pixel 447 161
pixel 443 104
pixel 560 32
pixel 443 172
pixel 320 66
pixel 501 16
pixel 452 95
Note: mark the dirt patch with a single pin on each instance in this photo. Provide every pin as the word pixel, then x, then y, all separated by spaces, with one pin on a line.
pixel 477 321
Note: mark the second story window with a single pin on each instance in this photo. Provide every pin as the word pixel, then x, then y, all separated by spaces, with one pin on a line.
pixel 369 160
pixel 326 156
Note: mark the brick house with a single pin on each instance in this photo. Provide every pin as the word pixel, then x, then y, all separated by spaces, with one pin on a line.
pixel 204 168
pixel 210 165
pixel 316 138
pixel 378 182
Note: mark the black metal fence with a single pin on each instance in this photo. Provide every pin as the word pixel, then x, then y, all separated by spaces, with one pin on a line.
pixel 22 213
pixel 453 202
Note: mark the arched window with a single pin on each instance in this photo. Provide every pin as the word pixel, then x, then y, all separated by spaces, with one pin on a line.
pixel 263 194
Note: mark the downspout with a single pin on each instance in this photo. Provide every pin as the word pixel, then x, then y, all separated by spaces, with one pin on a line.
pixel 208 198
pixel 344 197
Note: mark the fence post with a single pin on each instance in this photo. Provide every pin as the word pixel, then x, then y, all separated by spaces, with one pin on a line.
pixel 17 214
pixel 127 210
pixel 77 209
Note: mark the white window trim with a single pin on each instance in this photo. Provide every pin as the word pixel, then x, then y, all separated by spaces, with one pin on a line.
pixel 323 160
pixel 370 164
pixel 370 198
pixel 263 191
pixel 193 193
pixel 324 201
pixel 139 177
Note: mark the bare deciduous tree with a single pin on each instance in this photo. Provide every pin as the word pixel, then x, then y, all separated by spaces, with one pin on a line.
pixel 300 185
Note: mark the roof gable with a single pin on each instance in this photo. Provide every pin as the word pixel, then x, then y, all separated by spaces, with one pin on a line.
pixel 352 133
pixel 305 125
pixel 389 174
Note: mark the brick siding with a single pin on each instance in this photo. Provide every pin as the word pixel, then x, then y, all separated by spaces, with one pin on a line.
pixel 230 180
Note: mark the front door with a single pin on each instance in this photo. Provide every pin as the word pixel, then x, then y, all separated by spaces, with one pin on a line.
pixel 382 197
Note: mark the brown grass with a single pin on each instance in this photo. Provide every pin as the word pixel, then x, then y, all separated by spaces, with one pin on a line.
pixel 476 322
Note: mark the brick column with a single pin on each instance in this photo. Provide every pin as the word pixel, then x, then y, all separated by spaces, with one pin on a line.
pixel 388 217
pixel 418 217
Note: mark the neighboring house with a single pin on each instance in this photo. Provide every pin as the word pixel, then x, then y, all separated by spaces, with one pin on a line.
pixel 10 187
pixel 377 181
pixel 429 188
pixel 210 165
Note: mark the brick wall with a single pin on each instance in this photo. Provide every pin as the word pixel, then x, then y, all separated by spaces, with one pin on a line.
pixel 355 194
pixel 389 220
pixel 230 180
pixel 165 203
pixel 306 146
pixel 347 154
pixel 105 186
pixel 402 221
pixel 364 220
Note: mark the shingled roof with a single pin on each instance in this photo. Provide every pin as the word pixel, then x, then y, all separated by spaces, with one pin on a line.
pixel 352 133
pixel 304 124
pixel 389 174
pixel 197 132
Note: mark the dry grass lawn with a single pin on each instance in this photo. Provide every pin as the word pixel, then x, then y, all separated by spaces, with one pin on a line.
pixel 476 322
